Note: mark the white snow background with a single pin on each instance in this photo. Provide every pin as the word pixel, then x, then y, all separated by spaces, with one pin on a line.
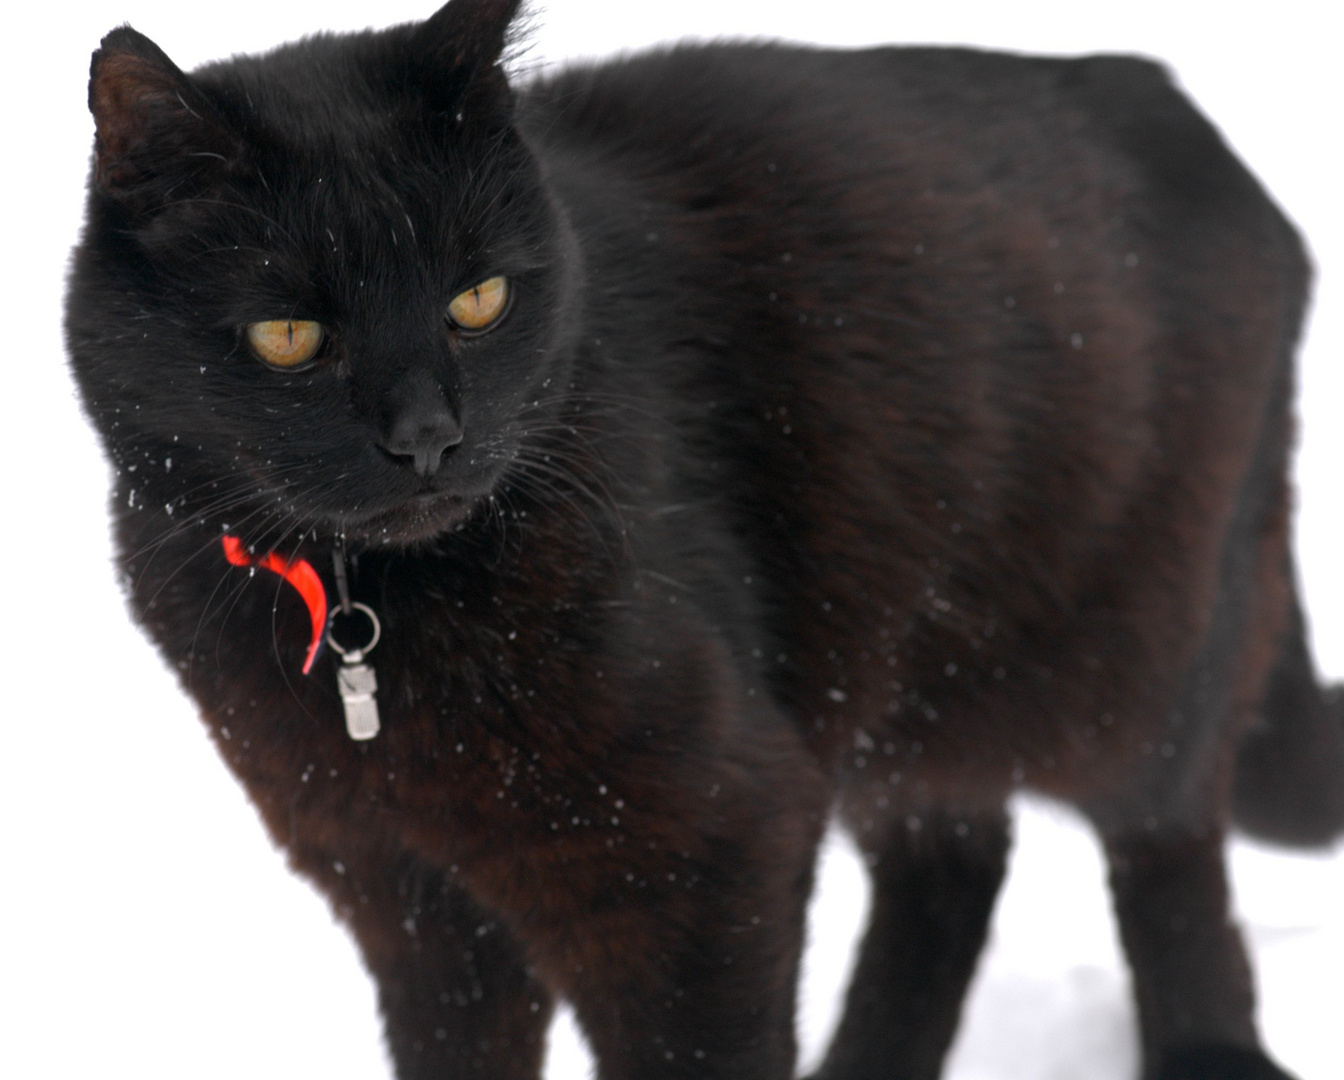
pixel 148 928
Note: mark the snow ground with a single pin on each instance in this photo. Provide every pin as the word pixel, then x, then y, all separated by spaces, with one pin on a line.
pixel 149 929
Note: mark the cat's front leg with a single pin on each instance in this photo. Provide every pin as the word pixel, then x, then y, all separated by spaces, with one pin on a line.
pixel 679 949
pixel 456 995
pixel 715 996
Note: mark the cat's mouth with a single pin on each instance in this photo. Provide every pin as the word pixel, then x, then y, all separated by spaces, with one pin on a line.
pixel 406 511
pixel 420 517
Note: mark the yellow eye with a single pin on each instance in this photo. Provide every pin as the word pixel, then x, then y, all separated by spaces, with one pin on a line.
pixel 481 306
pixel 285 343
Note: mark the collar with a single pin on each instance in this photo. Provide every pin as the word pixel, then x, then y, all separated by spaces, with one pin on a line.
pixel 300 574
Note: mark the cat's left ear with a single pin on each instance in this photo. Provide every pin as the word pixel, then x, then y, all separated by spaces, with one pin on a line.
pixel 157 134
pixel 457 52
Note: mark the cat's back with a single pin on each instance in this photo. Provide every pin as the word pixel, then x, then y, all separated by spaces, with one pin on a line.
pixel 966 317
pixel 951 117
pixel 889 176
pixel 951 224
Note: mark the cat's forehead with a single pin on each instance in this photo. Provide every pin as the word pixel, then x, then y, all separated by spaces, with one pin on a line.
pixel 322 90
pixel 324 161
pixel 332 120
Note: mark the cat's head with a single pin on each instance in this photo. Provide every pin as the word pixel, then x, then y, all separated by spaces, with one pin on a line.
pixel 325 287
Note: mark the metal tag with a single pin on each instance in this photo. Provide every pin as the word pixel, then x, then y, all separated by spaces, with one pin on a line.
pixel 356 681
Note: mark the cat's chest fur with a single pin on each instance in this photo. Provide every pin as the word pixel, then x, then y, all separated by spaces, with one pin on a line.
pixel 522 695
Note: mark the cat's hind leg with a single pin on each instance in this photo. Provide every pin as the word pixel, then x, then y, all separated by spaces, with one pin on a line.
pixel 1164 837
pixel 935 877
pixel 1192 980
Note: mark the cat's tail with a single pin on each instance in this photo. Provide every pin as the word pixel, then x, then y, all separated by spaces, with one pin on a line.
pixel 1290 768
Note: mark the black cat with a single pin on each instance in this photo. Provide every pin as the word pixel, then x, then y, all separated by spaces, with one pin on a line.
pixel 685 446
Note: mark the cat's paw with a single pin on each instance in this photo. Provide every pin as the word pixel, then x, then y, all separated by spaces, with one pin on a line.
pixel 1219 1063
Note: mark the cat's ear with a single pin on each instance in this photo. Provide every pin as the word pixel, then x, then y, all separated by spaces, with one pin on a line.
pixel 457 52
pixel 157 134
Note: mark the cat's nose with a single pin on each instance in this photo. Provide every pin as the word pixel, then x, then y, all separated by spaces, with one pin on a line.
pixel 422 431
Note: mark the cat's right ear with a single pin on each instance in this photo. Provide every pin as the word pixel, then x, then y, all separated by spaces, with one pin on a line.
pixel 157 134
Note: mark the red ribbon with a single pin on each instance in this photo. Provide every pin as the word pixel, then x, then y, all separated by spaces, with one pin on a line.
pixel 300 574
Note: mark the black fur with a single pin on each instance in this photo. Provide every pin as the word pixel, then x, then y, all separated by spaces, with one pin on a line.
pixel 888 430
